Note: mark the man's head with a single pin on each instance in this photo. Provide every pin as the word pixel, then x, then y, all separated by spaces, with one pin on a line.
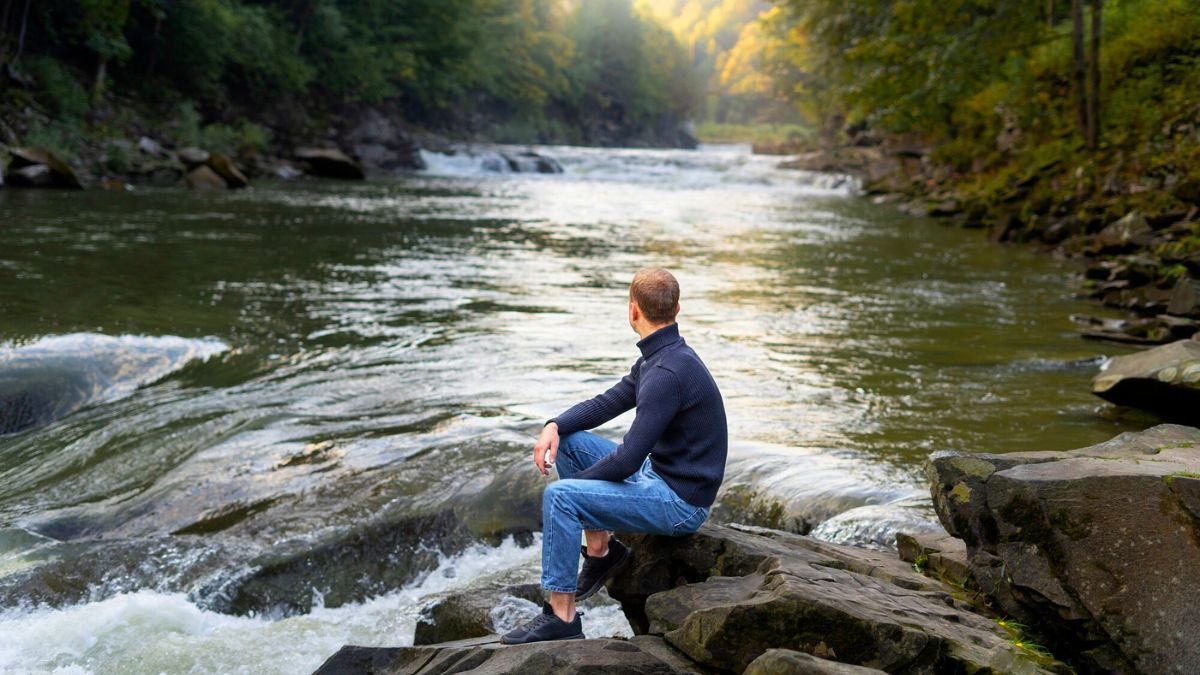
pixel 653 300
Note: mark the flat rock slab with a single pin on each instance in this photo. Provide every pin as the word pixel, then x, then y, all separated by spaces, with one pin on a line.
pixel 1165 380
pixel 725 596
pixel 1097 548
pixel 789 662
pixel 486 656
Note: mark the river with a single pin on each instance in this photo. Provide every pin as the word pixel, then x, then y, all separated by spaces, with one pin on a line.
pixel 293 381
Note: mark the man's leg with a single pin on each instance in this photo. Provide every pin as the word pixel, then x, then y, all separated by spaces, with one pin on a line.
pixel 576 452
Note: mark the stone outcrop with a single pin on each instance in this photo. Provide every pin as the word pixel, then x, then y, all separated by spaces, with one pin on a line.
pixel 726 596
pixel 379 140
pixel 329 163
pixel 486 656
pixel 1165 380
pixel 38 167
pixel 1097 549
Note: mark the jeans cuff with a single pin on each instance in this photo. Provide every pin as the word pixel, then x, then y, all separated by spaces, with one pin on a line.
pixel 558 589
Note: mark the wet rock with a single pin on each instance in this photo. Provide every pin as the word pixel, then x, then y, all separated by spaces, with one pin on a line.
pixel 486 656
pixel 329 163
pixel 192 157
pixel 203 178
pixel 1098 549
pixel 509 505
pixel 726 595
pixel 789 662
pixel 532 162
pixel 1157 330
pixel 1006 228
pixel 374 558
pixel 224 167
pixel 1165 380
pixel 1123 235
pixel 468 613
pixel 56 173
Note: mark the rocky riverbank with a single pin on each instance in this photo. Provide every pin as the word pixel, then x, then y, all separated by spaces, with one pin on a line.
pixel 1059 561
pixel 1137 241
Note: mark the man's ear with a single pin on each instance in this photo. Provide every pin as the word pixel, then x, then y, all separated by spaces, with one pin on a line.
pixel 677 306
pixel 634 311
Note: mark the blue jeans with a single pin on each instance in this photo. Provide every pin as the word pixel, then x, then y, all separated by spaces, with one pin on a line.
pixel 641 503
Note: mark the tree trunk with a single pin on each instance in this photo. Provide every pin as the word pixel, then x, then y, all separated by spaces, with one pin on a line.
pixel 21 39
pixel 1078 67
pixel 154 44
pixel 1093 111
pixel 98 85
pixel 1050 13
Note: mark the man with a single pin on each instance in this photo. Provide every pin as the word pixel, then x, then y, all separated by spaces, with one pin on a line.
pixel 661 479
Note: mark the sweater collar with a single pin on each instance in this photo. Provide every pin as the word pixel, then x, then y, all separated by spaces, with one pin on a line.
pixel 660 338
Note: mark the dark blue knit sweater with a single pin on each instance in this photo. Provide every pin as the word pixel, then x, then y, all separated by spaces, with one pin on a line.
pixel 680 420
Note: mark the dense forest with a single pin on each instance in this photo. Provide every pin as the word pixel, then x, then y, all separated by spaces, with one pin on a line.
pixel 235 73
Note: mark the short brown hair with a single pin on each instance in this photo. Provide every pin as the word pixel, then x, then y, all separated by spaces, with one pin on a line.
pixel 656 293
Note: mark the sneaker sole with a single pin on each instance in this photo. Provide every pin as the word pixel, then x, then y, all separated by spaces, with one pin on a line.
pixel 612 572
pixel 581 636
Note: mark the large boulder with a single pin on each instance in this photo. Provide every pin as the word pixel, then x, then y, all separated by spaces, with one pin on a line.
pixel 486 656
pixel 224 167
pixel 203 178
pixel 726 596
pixel 56 172
pixel 1098 549
pixel 1165 380
pixel 329 163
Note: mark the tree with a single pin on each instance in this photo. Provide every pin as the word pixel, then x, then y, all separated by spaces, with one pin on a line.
pixel 102 23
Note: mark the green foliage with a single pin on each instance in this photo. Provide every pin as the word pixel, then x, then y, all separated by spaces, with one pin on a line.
pixel 59 91
pixel 52 137
pixel 761 134
pixel 244 138
pixel 119 156
pixel 530 67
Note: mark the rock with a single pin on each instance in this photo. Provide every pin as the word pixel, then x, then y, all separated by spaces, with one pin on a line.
pixel 532 162
pixel 1098 549
pixel 1123 235
pixel 225 168
pixel 1006 228
pixel 32 176
pixel 487 656
pixel 61 174
pixel 203 178
pixel 1188 190
pixel 151 147
pixel 945 208
pixel 1185 298
pixel 788 662
pixel 467 614
pixel 380 141
pixel 938 555
pixel 726 595
pixel 192 157
pixel 329 163
pixel 1165 380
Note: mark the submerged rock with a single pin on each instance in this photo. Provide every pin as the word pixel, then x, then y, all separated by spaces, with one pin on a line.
pixel 1098 549
pixel 1165 380
pixel 329 163
pixel 727 595
pixel 532 162
pixel 224 167
pixel 468 614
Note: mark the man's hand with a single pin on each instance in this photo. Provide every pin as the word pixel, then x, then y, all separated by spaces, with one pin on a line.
pixel 546 449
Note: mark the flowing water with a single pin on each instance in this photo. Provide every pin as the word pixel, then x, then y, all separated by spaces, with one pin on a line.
pixel 252 426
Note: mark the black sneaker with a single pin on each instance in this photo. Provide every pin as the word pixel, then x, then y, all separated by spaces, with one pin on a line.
pixel 596 571
pixel 543 627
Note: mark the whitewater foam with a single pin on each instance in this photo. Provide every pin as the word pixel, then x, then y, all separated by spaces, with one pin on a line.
pixel 153 632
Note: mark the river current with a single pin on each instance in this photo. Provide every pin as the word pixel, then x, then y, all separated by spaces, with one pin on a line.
pixel 247 428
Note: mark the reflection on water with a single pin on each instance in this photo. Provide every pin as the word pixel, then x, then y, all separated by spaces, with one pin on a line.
pixel 394 345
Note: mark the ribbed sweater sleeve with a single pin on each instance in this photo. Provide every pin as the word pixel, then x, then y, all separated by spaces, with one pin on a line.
pixel 595 411
pixel 659 400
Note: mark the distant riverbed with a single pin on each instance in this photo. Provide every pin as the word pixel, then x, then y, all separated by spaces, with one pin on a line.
pixel 350 352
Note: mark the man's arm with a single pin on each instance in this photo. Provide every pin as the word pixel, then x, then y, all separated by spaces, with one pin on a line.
pixel 662 400
pixel 602 408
